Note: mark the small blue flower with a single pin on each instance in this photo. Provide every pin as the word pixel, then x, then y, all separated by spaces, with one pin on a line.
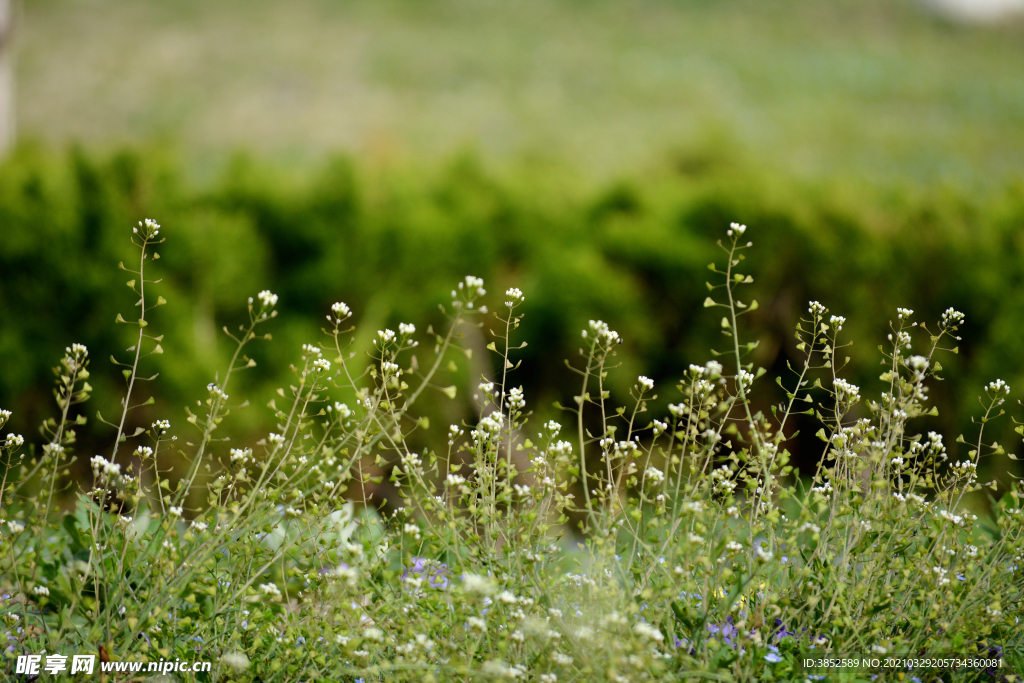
pixel 773 656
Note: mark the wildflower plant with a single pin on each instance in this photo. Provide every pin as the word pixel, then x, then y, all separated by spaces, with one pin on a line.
pixel 611 546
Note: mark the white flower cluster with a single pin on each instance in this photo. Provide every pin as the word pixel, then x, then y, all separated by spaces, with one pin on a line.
pixel 216 392
pixel 489 427
pixel 951 319
pixel 845 392
pixel 160 427
pixel 515 297
pixel 825 489
pixel 14 441
pixel 5 415
pixel 340 310
pixel 102 466
pixel 966 469
pixel 604 335
pixel 480 585
pixel 150 228
pixel 242 455
pixel 837 322
pixel 267 298
pixel 721 480
pixel 322 365
pixel 648 632
pixel 816 309
pixel 405 329
pixel 998 387
pixel 918 364
pixel 515 399
pixel 902 313
pixel 736 228
pixel 653 475
pixel 645 383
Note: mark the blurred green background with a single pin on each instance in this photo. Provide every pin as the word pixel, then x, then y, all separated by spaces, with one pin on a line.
pixel 587 152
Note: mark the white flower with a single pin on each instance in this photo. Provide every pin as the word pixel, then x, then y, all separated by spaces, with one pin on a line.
pixel 714 369
pixel 144 452
pixel 738 228
pixel 322 365
pixel 216 392
pixel 816 309
pixel 837 321
pixel 474 583
pixel 559 658
pixel 654 475
pixel 648 632
pixel 174 510
pixel 5 415
pixel 241 454
pixel 270 589
pixel 477 623
pixel 998 386
pixel 646 384
pixel 694 506
pixel 374 634
pixel 41 590
pixel 14 441
pixel 15 526
pixel 237 661
pixel 386 335
pixel 275 439
pixel 762 554
pixel 101 465
pixel 161 426
pixel 515 399
pixel 406 329
pixel 902 313
pixel 200 526
pixel 604 334
pixel 733 547
pixel 951 319
pixel 267 298
pixel 846 392
pixel 341 310
pixel 659 427
pixel 918 363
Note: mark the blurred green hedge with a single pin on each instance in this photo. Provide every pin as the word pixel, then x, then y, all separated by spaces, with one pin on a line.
pixel 392 244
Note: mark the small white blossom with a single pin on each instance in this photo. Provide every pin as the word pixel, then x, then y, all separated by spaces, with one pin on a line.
pixel 267 298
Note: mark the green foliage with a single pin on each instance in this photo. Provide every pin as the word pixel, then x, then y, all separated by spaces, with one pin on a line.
pixel 625 548
pixel 390 244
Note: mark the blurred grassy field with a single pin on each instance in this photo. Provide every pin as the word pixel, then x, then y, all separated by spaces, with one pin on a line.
pixel 860 90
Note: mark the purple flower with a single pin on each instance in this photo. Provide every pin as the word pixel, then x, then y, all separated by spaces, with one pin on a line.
pixel 726 630
pixel 783 632
pixel 773 656
pixel 435 572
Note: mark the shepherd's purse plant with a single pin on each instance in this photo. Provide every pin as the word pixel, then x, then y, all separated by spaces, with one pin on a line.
pixel 610 545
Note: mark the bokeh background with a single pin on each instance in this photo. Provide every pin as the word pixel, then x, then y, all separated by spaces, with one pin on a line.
pixel 588 152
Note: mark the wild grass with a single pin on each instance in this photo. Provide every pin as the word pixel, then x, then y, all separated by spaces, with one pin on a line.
pixel 612 545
